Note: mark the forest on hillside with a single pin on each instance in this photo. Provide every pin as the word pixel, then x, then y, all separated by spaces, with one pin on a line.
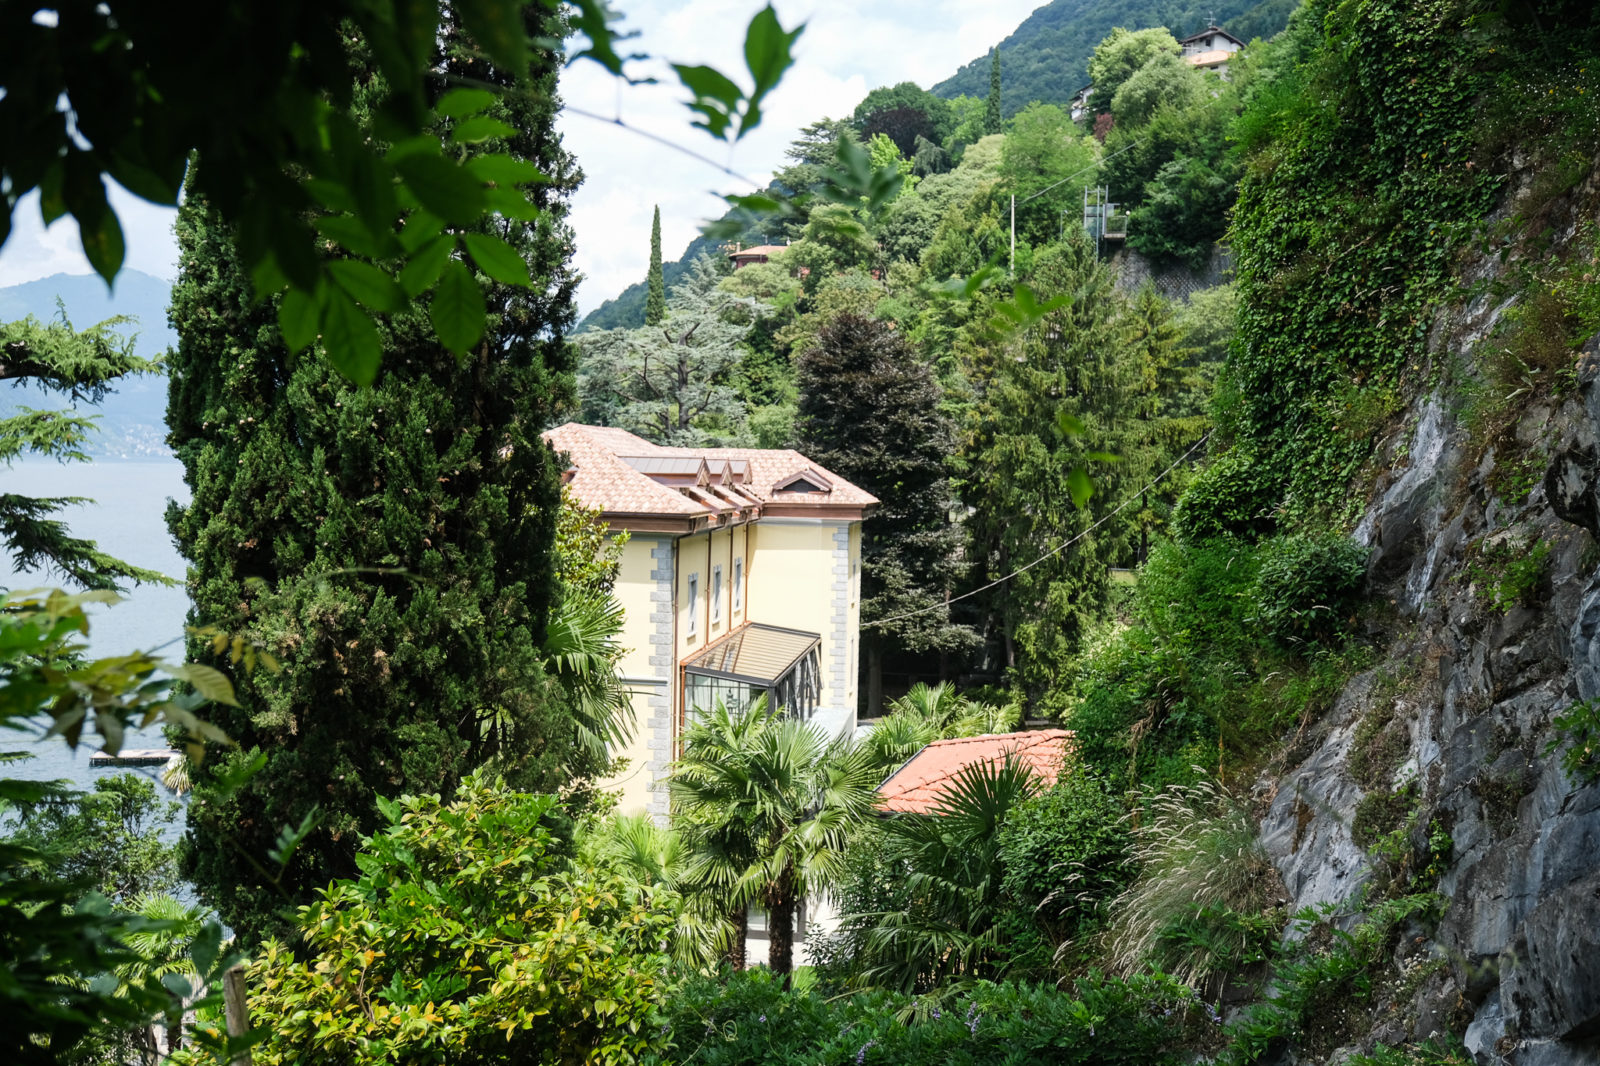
pixel 1045 60
pixel 1140 522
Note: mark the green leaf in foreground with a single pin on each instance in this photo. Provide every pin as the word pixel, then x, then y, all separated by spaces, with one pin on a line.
pixel 351 340
pixel 457 311
pixel 297 319
pixel 497 259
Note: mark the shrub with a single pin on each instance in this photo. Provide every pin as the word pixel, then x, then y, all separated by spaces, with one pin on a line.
pixel 1231 496
pixel 1309 585
pixel 1507 573
pixel 1579 731
pixel 1065 852
pixel 1323 987
pixel 748 1019
pixel 1198 594
pixel 467 939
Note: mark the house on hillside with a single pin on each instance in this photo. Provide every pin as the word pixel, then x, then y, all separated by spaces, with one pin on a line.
pixel 741 576
pixel 757 253
pixel 1210 49
pixel 1079 105
pixel 921 784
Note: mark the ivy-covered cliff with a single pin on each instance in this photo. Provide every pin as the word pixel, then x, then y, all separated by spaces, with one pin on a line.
pixel 1418 361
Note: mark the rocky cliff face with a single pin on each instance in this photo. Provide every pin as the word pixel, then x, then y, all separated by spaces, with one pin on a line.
pixel 1486 550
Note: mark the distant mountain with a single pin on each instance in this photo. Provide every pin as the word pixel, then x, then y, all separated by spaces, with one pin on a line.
pixel 133 418
pixel 627 307
pixel 1047 57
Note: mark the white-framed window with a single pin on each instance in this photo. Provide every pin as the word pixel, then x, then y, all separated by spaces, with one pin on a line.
pixel 716 594
pixel 855 579
pixel 694 604
pixel 738 584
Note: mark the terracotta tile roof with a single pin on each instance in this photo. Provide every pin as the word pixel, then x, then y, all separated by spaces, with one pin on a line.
pixel 1211 31
pixel 1210 59
pixel 605 468
pixel 759 249
pixel 921 783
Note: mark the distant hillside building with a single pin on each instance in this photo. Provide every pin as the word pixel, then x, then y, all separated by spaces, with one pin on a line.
pixel 760 253
pixel 1079 106
pixel 1210 49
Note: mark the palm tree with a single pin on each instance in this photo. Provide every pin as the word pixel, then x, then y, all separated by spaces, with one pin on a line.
pixel 164 949
pixel 582 651
pixel 656 856
pixel 952 873
pixel 768 804
pixel 930 712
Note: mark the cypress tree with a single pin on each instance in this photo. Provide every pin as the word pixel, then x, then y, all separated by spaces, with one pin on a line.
pixel 870 411
pixel 1022 462
pixel 81 364
pixel 655 306
pixel 391 546
pixel 993 121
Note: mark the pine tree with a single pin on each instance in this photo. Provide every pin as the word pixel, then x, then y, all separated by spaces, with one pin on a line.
pixel 993 121
pixel 673 383
pixel 81 365
pixel 1023 459
pixel 870 411
pixel 392 546
pixel 655 306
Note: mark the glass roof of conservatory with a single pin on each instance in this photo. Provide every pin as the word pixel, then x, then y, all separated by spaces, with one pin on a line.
pixel 759 654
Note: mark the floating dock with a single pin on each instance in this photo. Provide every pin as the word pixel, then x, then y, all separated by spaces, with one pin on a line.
pixel 133 757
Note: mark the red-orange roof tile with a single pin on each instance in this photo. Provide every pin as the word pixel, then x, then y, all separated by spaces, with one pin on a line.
pixel 919 785
pixel 602 478
pixel 760 249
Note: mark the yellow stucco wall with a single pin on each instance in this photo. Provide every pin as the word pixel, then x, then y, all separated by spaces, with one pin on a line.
pixel 791 584
pixel 788 577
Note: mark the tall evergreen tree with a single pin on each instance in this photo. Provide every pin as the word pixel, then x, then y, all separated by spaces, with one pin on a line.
pixel 993 119
pixel 870 411
pixel 674 383
pixel 81 365
pixel 655 305
pixel 1171 389
pixel 1025 464
pixel 392 546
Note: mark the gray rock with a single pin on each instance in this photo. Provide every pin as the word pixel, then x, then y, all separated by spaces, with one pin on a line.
pixel 1487 1029
pixel 1551 974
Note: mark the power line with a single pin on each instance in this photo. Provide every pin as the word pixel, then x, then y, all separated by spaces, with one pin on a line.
pixel 1085 170
pixel 1053 551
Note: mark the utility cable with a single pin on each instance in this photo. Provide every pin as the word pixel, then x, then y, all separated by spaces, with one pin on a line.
pixel 1053 551
pixel 1085 170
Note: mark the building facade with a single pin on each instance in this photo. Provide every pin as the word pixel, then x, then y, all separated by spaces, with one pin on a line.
pixel 741 576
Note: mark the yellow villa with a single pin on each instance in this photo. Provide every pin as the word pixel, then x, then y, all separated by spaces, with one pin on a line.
pixel 741 575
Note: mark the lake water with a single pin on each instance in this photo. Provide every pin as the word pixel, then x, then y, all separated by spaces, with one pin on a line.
pixel 126 520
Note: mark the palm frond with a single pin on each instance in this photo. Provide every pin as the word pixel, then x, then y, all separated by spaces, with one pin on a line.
pixel 582 650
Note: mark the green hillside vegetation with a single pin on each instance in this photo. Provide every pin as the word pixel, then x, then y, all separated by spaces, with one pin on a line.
pixel 1046 58
pixel 1045 61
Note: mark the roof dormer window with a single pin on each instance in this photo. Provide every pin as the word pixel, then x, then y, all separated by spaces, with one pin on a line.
pixel 807 480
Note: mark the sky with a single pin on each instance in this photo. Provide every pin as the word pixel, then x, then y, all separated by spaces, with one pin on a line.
pixel 848 48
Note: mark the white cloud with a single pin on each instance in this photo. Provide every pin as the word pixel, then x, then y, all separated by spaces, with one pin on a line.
pixel 847 49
